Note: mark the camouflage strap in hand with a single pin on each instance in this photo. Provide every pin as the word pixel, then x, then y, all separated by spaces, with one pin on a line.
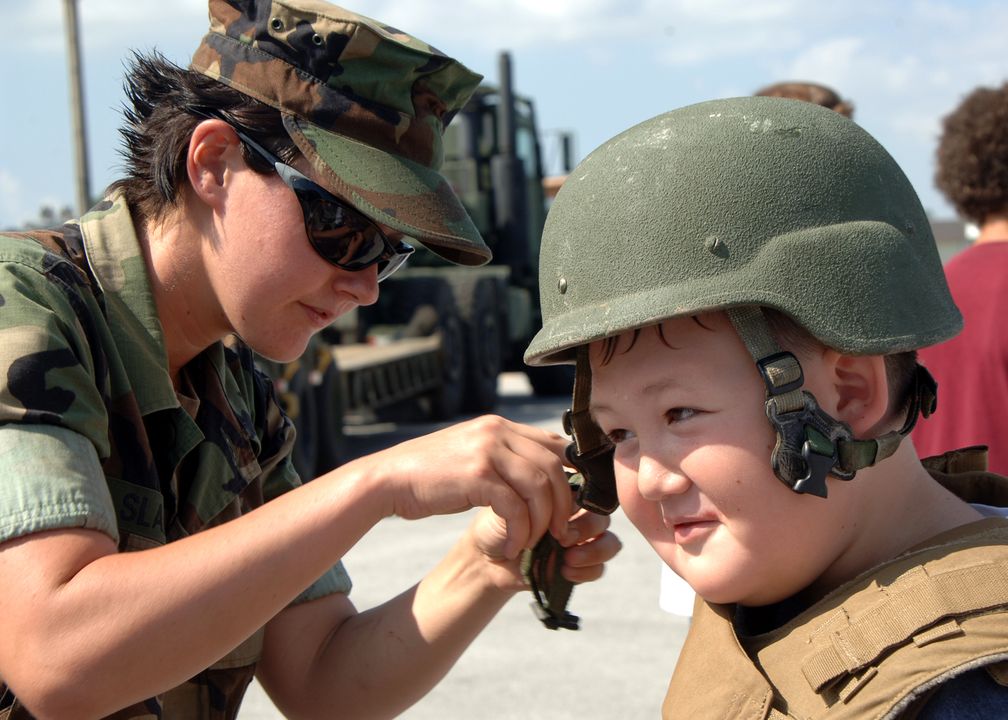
pixel 541 567
pixel 594 485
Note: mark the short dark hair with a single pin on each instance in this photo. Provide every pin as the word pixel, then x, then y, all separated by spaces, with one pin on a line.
pixel 791 336
pixel 166 102
pixel 809 92
pixel 972 155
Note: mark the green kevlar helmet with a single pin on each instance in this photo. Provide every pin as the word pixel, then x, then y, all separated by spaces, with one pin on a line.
pixel 738 204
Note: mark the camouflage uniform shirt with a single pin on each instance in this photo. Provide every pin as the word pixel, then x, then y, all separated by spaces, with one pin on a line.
pixel 94 435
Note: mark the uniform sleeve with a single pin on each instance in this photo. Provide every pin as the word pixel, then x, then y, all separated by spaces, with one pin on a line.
pixel 49 482
pixel 52 418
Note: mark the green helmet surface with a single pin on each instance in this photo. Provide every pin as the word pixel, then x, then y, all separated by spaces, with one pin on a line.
pixel 744 201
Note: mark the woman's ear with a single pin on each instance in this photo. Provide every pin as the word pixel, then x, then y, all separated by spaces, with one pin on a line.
pixel 860 390
pixel 212 147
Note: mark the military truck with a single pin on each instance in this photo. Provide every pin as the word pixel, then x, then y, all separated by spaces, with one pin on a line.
pixel 433 345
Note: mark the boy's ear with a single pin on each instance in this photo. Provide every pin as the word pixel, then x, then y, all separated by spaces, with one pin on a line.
pixel 212 147
pixel 860 390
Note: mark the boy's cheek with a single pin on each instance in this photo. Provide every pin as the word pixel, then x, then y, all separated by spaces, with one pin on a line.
pixel 643 514
pixel 626 487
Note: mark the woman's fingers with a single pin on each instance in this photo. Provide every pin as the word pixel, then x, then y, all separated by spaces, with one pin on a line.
pixel 537 475
pixel 515 511
pixel 515 469
pixel 589 546
pixel 585 525
pixel 586 562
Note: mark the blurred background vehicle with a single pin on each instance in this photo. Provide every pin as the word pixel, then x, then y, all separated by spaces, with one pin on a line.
pixel 434 344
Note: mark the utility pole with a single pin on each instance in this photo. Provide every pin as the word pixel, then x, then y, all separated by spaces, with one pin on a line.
pixel 77 107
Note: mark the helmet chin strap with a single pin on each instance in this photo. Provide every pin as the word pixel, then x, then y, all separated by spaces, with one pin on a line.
pixel 591 453
pixel 810 443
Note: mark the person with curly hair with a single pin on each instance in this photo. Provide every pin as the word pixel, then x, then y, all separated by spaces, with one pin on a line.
pixel 972 368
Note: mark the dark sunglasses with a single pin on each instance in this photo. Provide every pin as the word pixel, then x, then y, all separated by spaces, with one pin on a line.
pixel 340 234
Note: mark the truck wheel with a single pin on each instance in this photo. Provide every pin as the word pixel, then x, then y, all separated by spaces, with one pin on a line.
pixel 329 412
pixel 446 400
pixel 480 312
pixel 551 380
pixel 299 404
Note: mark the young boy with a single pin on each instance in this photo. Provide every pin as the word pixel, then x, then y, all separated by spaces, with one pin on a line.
pixel 743 285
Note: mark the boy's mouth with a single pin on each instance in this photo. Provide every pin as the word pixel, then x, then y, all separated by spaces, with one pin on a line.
pixel 691 529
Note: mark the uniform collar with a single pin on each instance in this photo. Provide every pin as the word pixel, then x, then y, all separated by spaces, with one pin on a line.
pixel 117 262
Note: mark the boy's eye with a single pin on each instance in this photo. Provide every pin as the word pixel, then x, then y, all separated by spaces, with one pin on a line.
pixel 619 435
pixel 679 414
pixel 675 415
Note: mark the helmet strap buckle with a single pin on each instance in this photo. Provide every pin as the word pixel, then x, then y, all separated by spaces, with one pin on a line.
pixel 591 453
pixel 819 466
pixel 597 482
pixel 808 445
pixel 809 441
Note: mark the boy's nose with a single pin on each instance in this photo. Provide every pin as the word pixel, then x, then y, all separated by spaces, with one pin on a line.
pixel 656 480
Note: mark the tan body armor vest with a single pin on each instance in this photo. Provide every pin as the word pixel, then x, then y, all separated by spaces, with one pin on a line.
pixel 872 647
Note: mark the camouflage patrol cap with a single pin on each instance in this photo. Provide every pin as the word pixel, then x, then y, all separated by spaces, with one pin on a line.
pixel 364 102
pixel 746 201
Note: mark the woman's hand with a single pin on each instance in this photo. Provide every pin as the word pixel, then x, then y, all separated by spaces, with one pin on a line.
pixel 588 542
pixel 514 469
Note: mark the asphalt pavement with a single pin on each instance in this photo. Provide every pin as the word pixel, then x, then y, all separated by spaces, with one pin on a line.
pixel 615 667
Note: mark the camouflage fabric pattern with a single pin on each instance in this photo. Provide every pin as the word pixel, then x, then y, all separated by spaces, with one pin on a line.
pixel 365 103
pixel 81 351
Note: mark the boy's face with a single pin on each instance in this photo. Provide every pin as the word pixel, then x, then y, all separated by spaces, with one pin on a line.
pixel 693 468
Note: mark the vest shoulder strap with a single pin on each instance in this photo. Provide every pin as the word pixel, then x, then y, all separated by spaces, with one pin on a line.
pixel 714 678
pixel 910 623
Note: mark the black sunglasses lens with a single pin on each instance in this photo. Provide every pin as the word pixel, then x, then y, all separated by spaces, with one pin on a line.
pixel 341 235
